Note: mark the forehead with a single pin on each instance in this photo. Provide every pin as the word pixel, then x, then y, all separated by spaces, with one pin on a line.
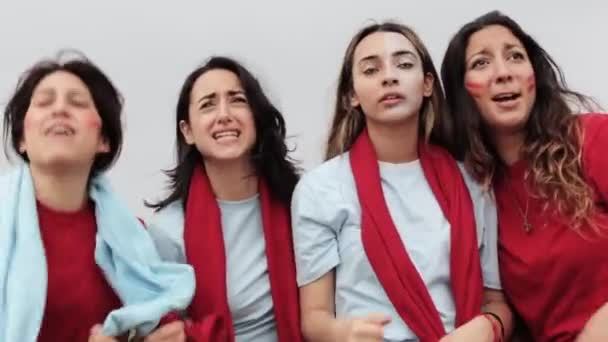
pixel 382 44
pixel 491 37
pixel 216 80
pixel 61 81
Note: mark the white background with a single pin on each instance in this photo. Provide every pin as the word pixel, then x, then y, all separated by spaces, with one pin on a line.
pixel 294 47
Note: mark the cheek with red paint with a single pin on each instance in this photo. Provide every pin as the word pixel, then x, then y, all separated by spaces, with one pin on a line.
pixel 475 89
pixel 93 121
pixel 531 83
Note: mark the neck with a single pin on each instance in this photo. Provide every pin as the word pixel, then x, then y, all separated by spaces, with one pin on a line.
pixel 63 189
pixel 509 146
pixel 395 143
pixel 233 180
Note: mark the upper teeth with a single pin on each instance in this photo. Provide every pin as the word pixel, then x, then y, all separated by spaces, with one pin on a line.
pixel 61 130
pixel 505 96
pixel 225 134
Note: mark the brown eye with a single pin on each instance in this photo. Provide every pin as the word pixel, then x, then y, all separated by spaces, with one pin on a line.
pixel 518 56
pixel 370 71
pixel 479 63
pixel 406 65
pixel 240 99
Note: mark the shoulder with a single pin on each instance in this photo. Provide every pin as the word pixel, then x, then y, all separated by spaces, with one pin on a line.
pixel 168 221
pixel 326 177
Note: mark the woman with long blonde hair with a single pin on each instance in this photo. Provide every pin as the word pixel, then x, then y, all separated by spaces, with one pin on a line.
pixel 389 245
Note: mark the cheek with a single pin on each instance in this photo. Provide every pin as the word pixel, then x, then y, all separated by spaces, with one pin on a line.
pixel 92 121
pixel 33 120
pixel 365 91
pixel 476 89
pixel 531 83
pixel 29 122
pixel 248 123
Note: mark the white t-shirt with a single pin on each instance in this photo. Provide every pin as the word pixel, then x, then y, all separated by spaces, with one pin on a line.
pixel 326 221
pixel 248 285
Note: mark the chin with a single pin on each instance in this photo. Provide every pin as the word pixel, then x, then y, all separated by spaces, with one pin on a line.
pixel 389 117
pixel 229 157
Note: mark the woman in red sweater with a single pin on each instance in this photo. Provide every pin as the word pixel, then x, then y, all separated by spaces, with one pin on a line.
pixel 516 131
pixel 64 122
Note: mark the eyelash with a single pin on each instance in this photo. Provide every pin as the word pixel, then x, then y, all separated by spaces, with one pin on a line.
pixel 515 55
pixel 79 103
pixel 48 101
pixel 370 71
pixel 405 66
pixel 208 104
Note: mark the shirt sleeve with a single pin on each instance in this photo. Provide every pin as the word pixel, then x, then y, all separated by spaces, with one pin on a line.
pixel 315 222
pixel 486 221
pixel 166 229
pixel 595 157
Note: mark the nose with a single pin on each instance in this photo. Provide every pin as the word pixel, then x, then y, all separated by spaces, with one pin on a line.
pixel 502 72
pixel 60 107
pixel 389 77
pixel 224 113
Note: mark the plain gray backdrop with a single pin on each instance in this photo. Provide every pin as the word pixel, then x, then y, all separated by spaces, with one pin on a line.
pixel 294 48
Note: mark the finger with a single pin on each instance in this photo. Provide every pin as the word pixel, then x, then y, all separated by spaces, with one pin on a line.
pixel 167 332
pixel 378 318
pixel 96 329
pixel 369 331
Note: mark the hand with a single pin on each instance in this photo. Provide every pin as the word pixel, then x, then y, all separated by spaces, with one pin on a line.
pixel 171 332
pixel 369 328
pixel 596 328
pixel 479 329
pixel 96 335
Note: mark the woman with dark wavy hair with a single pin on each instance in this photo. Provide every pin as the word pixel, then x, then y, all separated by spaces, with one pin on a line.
pixel 72 256
pixel 228 211
pixel 516 131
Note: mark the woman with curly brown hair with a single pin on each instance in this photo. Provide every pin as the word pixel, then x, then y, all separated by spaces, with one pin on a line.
pixel 516 131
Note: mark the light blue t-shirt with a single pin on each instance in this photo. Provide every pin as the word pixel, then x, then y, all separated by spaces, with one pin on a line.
pixel 326 221
pixel 248 285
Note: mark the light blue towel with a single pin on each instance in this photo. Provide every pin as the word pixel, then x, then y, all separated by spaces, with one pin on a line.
pixel 147 286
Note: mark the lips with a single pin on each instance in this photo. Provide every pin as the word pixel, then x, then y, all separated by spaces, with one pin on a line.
pixel 229 133
pixel 507 96
pixel 60 129
pixel 391 98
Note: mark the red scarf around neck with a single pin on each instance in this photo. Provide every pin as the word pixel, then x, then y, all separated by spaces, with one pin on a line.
pixel 205 251
pixel 387 255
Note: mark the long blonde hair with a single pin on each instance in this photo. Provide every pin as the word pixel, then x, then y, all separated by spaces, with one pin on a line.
pixel 348 122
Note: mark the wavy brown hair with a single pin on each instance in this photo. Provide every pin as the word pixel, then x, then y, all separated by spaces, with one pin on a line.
pixel 348 122
pixel 553 137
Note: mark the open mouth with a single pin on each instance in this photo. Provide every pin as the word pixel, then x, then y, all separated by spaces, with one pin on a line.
pixel 60 130
pixel 233 133
pixel 505 97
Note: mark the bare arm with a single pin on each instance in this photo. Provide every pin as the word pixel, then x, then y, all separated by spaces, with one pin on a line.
pixel 496 303
pixel 319 322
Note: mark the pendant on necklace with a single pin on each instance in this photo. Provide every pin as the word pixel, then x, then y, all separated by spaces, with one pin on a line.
pixel 527 226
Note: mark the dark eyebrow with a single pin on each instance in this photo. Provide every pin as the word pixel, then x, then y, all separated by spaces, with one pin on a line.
pixel 235 92
pixel 483 52
pixel 45 91
pixel 394 54
pixel 207 97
